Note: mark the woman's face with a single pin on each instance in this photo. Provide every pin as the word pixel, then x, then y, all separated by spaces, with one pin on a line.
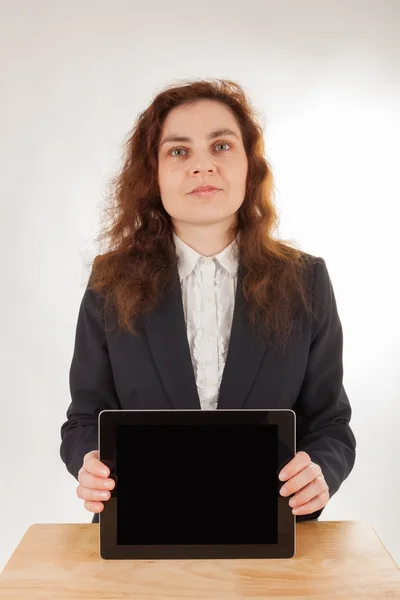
pixel 200 159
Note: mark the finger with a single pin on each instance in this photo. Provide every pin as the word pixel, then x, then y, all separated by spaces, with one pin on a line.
pixel 310 491
pixel 89 456
pixel 297 482
pixel 314 504
pixel 92 464
pixel 91 494
pixel 95 483
pixel 94 507
pixel 299 462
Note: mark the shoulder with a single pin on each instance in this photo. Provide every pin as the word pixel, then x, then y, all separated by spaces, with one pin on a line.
pixel 316 269
pixel 319 285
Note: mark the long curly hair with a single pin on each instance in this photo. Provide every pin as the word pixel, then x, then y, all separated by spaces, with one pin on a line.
pixel 139 262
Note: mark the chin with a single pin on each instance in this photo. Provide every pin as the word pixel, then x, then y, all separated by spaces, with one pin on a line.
pixel 203 216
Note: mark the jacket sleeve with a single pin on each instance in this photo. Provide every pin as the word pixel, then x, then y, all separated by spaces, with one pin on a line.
pixel 91 385
pixel 322 408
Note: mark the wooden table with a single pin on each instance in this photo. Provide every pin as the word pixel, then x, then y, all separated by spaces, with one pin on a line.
pixel 334 559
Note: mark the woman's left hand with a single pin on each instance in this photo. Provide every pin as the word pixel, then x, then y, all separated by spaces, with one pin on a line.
pixel 305 479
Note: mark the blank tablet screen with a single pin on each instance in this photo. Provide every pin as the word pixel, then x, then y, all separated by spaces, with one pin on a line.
pixel 197 484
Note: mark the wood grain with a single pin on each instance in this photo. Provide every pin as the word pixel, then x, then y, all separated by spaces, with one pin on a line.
pixel 343 560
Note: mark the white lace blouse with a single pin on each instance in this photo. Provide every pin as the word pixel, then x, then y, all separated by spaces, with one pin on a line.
pixel 208 293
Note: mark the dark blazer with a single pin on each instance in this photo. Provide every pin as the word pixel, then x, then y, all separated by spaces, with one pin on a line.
pixel 115 370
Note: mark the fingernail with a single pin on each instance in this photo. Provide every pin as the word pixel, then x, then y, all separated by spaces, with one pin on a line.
pixel 283 476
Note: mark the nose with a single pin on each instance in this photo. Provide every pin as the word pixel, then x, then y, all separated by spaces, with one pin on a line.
pixel 203 164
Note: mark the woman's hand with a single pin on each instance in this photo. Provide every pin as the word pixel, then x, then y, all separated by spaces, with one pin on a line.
pixel 94 484
pixel 306 481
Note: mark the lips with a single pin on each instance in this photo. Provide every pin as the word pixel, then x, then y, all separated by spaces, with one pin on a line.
pixel 204 188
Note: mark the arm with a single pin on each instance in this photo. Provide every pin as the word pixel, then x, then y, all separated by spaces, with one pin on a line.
pixel 91 385
pixel 322 408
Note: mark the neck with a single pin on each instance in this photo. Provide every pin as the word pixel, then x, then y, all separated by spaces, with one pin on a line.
pixel 207 240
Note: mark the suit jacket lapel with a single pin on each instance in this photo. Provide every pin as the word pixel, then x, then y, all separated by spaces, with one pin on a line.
pixel 166 332
pixel 244 355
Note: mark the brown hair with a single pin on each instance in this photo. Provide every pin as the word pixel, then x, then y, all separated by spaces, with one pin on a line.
pixel 140 261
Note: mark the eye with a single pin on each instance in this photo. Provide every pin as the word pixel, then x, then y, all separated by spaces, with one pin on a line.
pixel 181 148
pixel 223 144
pixel 173 149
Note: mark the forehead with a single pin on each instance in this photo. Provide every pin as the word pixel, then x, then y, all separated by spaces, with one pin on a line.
pixel 199 119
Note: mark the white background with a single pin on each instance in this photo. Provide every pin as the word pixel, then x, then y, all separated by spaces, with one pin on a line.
pixel 74 75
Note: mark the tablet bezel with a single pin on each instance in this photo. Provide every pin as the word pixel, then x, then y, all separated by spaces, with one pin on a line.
pixel 109 420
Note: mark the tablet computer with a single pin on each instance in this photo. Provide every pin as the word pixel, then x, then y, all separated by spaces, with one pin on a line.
pixel 196 483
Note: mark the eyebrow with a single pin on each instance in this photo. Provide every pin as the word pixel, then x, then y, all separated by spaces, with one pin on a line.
pixel 212 135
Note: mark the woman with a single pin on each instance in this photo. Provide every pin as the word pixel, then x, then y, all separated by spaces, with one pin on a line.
pixel 188 274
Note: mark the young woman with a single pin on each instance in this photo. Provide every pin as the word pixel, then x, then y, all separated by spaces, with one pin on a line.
pixel 195 304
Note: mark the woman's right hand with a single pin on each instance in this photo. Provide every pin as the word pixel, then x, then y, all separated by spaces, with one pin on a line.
pixel 94 484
